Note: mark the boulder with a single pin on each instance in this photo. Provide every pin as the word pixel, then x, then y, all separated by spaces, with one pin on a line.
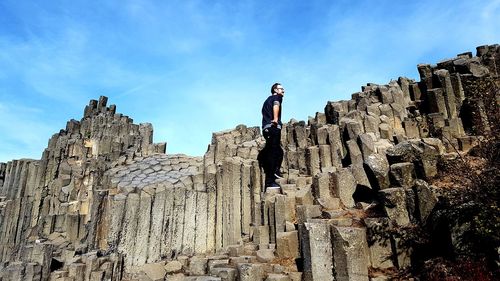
pixel 198 266
pixel 265 255
pixel 287 244
pixel 251 272
pixel 379 242
pixel 426 199
pixel 344 186
pixel 155 271
pixel 317 250
pixel 350 253
pixel 422 155
pixel 377 169
pixel 394 200
pixel 173 267
pixel 403 174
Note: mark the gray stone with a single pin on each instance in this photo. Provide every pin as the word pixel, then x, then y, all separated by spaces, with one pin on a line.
pixel 377 170
pixel 403 174
pixel 360 175
pixel 295 276
pixel 354 129
pixel 289 226
pixel 415 92
pixel 449 95
pixel 330 203
pixel 366 143
pixel 175 277
pixel 325 156
pixel 373 109
pixel 317 250
pixel 155 271
pixel 128 234
pixel 143 225
pixel 202 233
pixel 386 131
pixel 436 102
pixel 322 135
pixel 425 71
pixel 265 255
pixel 284 211
pixel 235 250
pixel 188 239
pixel 386 110
pixel 436 143
pixel 250 272
pixel 385 95
pixel 287 244
pixel 344 186
pixel 313 162
pixel 304 196
pixel 305 212
pixel 379 242
pixel 423 156
pixel 411 129
pixel 394 200
pixel 173 267
pixel 321 185
pixel 197 266
pixel 354 152
pixel 217 261
pixel 245 259
pixel 372 123
pixel 426 199
pixel 350 253
pixel 261 234
pixel 225 273
pixel 277 277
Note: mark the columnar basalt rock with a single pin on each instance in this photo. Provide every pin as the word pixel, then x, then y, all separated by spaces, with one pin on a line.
pixel 105 203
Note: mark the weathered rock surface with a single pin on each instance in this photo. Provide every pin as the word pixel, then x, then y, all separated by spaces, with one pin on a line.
pixel 106 203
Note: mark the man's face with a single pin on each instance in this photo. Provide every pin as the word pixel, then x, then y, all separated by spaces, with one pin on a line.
pixel 280 90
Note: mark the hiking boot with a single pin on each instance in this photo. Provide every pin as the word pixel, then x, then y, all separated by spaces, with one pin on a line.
pixel 273 186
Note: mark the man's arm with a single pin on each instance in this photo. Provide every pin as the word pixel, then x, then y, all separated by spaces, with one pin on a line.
pixel 276 110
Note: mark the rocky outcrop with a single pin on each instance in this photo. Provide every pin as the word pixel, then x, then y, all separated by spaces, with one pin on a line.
pixel 105 203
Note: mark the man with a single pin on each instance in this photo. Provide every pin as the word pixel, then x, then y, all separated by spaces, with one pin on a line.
pixel 272 154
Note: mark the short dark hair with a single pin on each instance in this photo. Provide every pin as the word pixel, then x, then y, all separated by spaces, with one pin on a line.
pixel 275 85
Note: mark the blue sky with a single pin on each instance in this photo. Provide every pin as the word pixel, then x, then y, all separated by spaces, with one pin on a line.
pixel 196 67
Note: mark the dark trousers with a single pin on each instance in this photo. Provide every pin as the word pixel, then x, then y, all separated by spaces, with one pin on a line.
pixel 273 153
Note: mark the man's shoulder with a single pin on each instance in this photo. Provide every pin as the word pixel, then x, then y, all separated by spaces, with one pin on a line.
pixel 277 98
pixel 273 98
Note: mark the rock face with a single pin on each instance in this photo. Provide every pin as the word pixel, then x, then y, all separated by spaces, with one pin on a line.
pixel 105 203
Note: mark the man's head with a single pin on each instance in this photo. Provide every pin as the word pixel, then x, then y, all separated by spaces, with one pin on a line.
pixel 277 89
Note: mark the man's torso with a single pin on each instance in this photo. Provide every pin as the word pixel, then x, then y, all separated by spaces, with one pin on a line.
pixel 267 110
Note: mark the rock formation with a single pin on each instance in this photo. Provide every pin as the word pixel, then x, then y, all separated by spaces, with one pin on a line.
pixel 105 203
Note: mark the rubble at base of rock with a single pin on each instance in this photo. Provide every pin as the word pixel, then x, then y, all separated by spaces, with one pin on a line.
pixel 106 203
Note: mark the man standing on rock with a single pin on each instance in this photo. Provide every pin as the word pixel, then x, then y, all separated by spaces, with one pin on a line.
pixel 272 154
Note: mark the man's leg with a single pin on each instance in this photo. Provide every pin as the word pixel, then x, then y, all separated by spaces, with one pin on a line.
pixel 276 153
pixel 270 155
pixel 267 159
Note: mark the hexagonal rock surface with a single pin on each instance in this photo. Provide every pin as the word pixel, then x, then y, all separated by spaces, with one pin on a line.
pixel 175 169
